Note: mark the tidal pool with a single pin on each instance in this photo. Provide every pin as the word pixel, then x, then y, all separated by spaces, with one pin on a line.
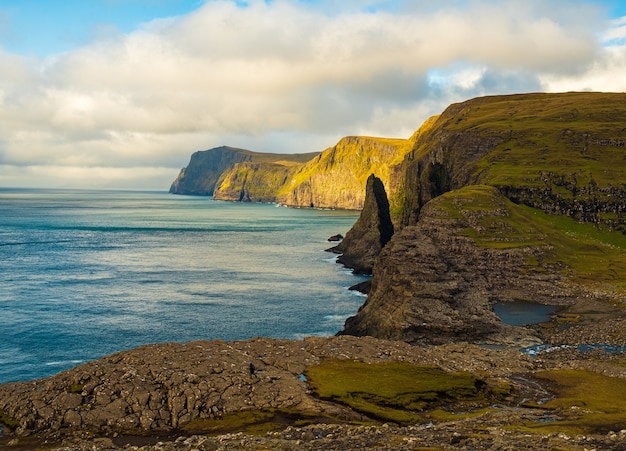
pixel 523 313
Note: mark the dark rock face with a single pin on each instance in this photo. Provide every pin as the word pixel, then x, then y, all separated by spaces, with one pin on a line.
pixel 434 285
pixel 205 168
pixel 370 233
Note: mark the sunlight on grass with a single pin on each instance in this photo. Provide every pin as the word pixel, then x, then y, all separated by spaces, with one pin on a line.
pixel 392 391
pixel 586 402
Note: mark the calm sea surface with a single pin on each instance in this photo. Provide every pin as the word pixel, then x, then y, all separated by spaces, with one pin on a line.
pixel 87 273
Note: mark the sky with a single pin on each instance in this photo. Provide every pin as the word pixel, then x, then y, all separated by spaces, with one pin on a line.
pixel 120 93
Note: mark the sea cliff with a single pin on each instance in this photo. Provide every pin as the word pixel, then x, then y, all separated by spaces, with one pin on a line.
pixel 334 178
pixel 498 199
pixel 505 198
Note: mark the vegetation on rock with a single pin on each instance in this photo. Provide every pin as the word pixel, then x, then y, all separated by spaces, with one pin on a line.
pixel 335 178
pixel 394 391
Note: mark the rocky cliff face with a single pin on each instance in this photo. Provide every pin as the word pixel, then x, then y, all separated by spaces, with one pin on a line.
pixel 337 177
pixel 210 169
pixel 561 153
pixel 465 244
pixel 205 168
pixel 370 233
pixel 252 182
pixel 434 284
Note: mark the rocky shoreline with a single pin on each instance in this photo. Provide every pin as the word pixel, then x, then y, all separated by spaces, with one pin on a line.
pixel 181 396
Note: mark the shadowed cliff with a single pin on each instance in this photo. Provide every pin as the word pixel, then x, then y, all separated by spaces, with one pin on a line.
pixel 370 233
pixel 226 168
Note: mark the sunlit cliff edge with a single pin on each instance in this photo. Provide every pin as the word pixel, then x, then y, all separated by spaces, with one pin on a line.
pixel 334 178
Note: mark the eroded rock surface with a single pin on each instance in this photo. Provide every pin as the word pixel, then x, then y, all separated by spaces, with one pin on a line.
pixel 143 398
pixel 164 387
pixel 433 284
pixel 370 233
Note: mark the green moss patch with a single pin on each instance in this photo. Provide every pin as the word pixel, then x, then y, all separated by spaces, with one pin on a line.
pixel 583 251
pixel 586 402
pixel 393 391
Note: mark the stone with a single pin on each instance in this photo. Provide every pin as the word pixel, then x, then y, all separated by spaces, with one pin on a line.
pixel 371 232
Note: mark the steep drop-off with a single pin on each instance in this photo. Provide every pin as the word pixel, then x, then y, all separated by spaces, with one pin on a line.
pixel 507 198
pixel 561 153
pixel 370 233
pixel 209 169
pixel 335 178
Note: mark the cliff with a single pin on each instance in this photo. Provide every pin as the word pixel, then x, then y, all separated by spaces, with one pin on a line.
pixel 506 198
pixel 208 169
pixel 499 199
pixel 337 177
pixel 334 178
pixel 561 153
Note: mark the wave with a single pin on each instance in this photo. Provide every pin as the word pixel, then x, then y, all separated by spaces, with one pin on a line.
pixel 64 362
pixel 335 318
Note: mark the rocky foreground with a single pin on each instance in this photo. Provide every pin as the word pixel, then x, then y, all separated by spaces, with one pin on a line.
pixel 201 395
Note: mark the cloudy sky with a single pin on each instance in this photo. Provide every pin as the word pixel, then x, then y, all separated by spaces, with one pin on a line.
pixel 119 93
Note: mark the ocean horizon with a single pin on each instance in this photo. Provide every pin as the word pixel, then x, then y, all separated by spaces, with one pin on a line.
pixel 87 273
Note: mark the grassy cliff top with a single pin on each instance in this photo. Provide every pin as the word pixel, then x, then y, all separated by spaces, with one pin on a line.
pixel 584 252
pixel 580 136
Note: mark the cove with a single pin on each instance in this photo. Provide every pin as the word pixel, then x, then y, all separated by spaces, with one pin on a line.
pixel 522 313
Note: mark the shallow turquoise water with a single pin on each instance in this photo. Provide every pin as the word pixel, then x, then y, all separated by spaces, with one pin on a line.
pixel 88 273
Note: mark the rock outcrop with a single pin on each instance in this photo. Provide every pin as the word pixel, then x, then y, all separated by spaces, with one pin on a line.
pixel 165 387
pixel 371 232
pixel 203 396
pixel 434 284
pixel 465 245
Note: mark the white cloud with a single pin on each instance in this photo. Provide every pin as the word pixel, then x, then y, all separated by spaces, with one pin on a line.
pixel 284 76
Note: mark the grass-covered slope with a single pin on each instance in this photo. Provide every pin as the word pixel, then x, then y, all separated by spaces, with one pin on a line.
pixel 581 252
pixel 337 177
pixel 207 167
pixel 562 153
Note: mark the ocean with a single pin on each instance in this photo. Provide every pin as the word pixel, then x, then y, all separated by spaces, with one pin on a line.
pixel 88 273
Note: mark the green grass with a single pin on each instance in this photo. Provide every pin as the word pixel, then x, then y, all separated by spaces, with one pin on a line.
pixel 586 402
pixel 393 391
pixel 561 138
pixel 583 251
pixel 544 150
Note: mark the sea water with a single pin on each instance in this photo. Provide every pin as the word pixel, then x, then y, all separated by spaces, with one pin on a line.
pixel 87 273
